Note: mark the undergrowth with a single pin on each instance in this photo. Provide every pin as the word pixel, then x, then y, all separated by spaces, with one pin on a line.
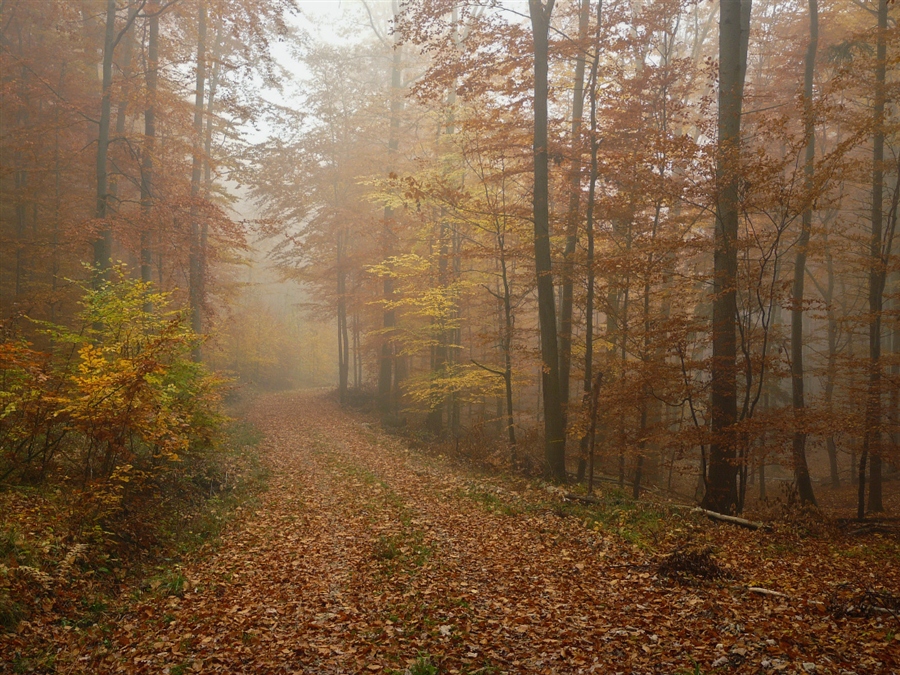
pixel 53 568
pixel 639 523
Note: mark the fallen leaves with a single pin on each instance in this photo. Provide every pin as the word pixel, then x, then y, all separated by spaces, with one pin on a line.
pixel 362 557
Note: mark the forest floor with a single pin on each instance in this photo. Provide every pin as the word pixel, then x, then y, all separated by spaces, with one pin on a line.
pixel 364 556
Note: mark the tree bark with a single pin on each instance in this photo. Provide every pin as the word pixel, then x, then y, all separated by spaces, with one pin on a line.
pixel 203 249
pixel 195 270
pixel 587 441
pixel 831 373
pixel 442 356
pixel 801 468
pixel 568 277
pixel 343 336
pixel 872 437
pixel 103 243
pixel 149 150
pixel 507 339
pixel 21 184
pixel 721 485
pixel 122 105
pixel 386 364
pixel 554 427
pixel 592 431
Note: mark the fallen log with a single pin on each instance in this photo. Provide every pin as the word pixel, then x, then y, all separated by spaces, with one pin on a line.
pixel 875 528
pixel 734 520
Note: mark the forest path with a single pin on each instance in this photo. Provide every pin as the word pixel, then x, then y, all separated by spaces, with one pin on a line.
pixel 363 555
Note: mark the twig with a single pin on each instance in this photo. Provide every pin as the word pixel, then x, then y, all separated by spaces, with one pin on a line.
pixel 766 591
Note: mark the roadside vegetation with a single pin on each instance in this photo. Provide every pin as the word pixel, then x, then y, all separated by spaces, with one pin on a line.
pixel 118 461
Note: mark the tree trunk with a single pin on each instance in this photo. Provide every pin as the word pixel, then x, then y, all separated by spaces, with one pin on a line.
pixel 343 346
pixel 801 468
pixel 357 353
pixel 122 105
pixel 721 485
pixel 195 270
pixel 587 441
pixel 149 150
pixel 386 363
pixel 507 340
pixel 592 430
pixel 21 185
pixel 103 243
pixel 623 357
pixel 568 277
pixel 831 374
pixel 895 368
pixel 872 435
pixel 554 428
pixel 203 251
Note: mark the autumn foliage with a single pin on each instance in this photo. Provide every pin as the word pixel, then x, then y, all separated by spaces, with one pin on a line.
pixel 722 354
pixel 116 410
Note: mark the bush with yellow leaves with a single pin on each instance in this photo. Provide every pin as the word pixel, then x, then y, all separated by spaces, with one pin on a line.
pixel 118 412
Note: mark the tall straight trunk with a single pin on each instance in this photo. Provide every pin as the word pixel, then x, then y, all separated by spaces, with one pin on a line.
pixel 357 355
pixel 762 454
pixel 831 372
pixel 103 243
pixel 623 358
pixel 122 105
pixel 386 364
pixel 554 427
pixel 568 277
pixel 149 150
pixel 454 408
pixel 343 343
pixel 592 428
pixel 885 257
pixel 507 339
pixel 801 468
pixel 854 475
pixel 721 484
pixel 895 368
pixel 871 449
pixel 203 250
pixel 645 358
pixel 586 460
pixel 645 394
pixel 57 204
pixel 21 185
pixel 442 356
pixel 435 419
pixel 401 370
pixel 195 269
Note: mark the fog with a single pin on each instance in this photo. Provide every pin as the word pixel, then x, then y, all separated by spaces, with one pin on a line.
pixel 461 216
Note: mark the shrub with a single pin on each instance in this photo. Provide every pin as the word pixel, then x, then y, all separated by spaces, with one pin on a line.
pixel 117 411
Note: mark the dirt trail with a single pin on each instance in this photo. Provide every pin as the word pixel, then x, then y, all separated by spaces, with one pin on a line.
pixel 362 556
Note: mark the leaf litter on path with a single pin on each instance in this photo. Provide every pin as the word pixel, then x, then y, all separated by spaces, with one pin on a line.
pixel 364 556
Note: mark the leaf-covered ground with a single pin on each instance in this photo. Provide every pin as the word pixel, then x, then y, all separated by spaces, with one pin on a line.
pixel 365 557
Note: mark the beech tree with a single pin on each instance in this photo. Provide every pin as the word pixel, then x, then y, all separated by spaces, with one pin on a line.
pixel 554 421
pixel 734 26
pixel 801 469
